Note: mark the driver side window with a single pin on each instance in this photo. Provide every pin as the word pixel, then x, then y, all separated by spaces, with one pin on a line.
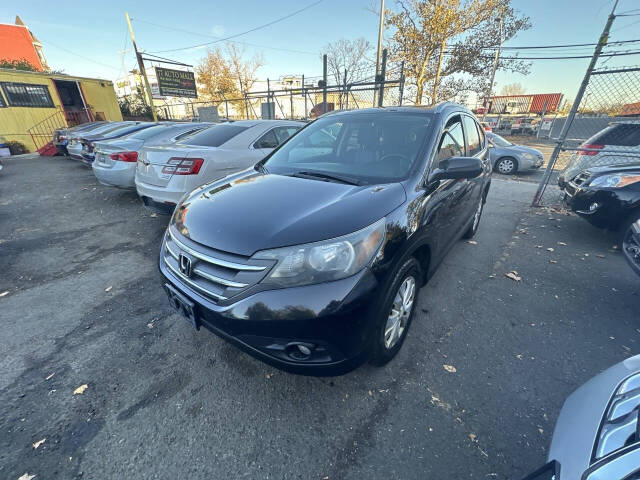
pixel 452 141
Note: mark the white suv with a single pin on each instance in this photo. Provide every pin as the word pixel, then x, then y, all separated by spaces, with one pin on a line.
pixel 617 144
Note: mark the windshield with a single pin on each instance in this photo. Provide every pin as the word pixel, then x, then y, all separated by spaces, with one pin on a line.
pixel 499 141
pixel 367 147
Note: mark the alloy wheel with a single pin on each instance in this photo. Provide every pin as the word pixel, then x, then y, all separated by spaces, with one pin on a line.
pixel 506 166
pixel 400 312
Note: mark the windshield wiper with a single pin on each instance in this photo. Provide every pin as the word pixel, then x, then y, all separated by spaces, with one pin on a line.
pixel 326 177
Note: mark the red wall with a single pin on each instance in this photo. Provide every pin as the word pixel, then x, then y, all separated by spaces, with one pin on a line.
pixel 16 44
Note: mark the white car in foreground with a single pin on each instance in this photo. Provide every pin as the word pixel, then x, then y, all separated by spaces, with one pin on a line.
pixel 165 173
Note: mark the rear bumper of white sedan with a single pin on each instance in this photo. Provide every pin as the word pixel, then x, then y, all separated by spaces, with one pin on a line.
pixel 158 198
pixel 119 174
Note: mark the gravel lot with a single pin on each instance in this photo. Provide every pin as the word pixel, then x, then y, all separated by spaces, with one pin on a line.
pixel 85 306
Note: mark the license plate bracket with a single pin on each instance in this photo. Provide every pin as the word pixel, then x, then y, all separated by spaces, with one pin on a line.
pixel 182 305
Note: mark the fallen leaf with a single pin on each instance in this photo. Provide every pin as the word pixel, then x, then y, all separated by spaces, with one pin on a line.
pixel 108 289
pixel 513 275
pixel 26 476
pixel 493 275
pixel 38 443
pixel 600 255
pixel 49 376
pixel 473 437
pixel 538 246
pixel 80 390
pixel 449 368
pixel 562 243
pixel 586 254
pixel 553 261
pixel 540 430
pixel 519 356
pixel 549 249
pixel 472 242
pixel 153 215
pixel 370 393
pixel 150 325
pixel 269 375
pixel 4 293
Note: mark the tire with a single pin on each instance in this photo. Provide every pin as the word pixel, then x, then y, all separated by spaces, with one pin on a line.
pixel 473 228
pixel 507 166
pixel 385 347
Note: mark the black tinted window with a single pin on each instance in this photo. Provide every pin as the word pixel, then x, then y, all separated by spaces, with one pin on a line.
pixel 215 136
pixel 473 140
pixel 268 140
pixel 623 135
pixel 449 147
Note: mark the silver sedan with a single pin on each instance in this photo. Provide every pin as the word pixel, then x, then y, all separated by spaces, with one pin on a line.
pixel 508 158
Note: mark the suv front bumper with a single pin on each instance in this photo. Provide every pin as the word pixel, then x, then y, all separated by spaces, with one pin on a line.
pixel 332 320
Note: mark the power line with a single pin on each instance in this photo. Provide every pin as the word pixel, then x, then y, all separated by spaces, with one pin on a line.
pixel 636 52
pixel 246 31
pixel 571 45
pixel 199 34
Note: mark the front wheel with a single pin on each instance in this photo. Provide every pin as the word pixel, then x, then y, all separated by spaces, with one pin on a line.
pixel 507 166
pixel 395 315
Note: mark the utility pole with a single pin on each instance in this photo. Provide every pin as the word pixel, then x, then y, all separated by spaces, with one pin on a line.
pixel 324 83
pixel 142 70
pixel 495 67
pixel 379 52
pixel 576 103
pixel 383 74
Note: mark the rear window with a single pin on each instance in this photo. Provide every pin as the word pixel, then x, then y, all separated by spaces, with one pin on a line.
pixel 127 129
pixel 149 132
pixel 215 136
pixel 623 135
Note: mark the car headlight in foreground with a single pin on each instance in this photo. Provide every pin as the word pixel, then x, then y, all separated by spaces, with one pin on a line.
pixel 528 156
pixel 615 180
pixel 324 261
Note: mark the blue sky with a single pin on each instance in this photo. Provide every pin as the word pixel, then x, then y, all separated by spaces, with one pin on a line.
pixel 83 38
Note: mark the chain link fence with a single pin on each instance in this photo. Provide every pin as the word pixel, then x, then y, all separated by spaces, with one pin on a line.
pixel 604 131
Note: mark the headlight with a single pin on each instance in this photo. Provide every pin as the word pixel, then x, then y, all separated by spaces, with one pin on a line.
pixel 528 156
pixel 324 261
pixel 615 180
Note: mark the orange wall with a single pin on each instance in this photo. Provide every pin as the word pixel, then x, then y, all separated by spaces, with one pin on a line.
pixel 16 44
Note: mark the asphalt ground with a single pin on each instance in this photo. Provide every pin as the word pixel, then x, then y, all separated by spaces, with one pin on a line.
pixel 85 307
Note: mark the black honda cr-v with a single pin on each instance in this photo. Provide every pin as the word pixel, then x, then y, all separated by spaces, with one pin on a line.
pixel 312 260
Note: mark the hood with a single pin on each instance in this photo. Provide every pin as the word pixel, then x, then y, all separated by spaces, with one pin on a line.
pixel 251 211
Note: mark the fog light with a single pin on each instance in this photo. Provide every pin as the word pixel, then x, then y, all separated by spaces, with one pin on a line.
pixel 299 351
pixel 594 206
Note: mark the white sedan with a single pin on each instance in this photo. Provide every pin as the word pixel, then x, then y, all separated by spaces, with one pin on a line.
pixel 165 173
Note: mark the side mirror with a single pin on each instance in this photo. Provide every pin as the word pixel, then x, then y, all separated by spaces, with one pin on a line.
pixel 457 167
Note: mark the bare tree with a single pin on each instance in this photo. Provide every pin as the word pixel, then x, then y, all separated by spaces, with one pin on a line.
pixel 447 43
pixel 512 89
pixel 354 56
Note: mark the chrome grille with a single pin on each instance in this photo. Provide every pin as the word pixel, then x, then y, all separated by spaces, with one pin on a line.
pixel 215 274
pixel 620 424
